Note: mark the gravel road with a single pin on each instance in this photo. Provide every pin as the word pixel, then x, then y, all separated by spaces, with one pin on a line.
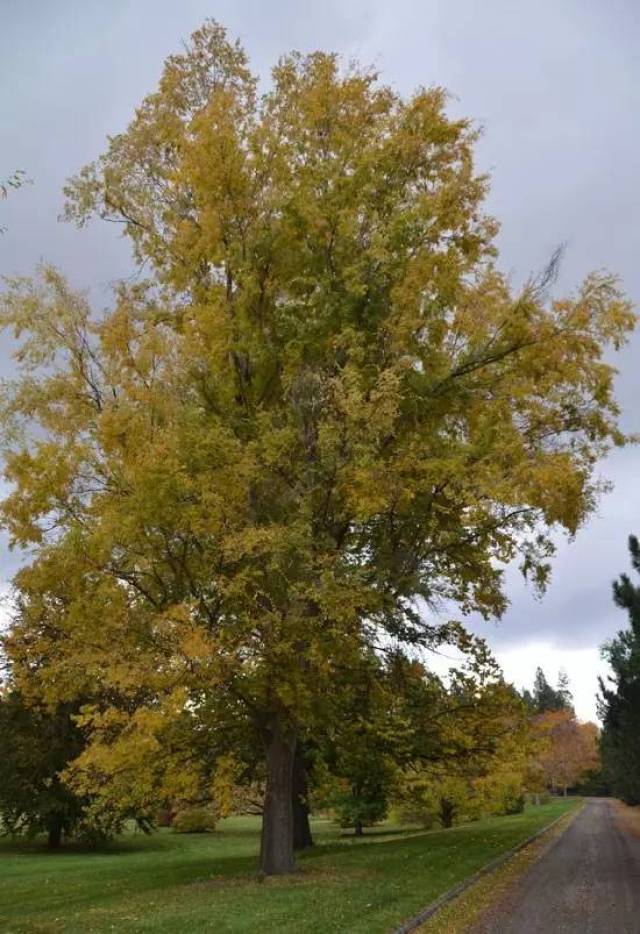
pixel 587 882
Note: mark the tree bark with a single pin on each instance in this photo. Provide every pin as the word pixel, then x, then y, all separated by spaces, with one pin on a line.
pixel 359 829
pixel 302 838
pixel 276 852
pixel 55 834
pixel 447 811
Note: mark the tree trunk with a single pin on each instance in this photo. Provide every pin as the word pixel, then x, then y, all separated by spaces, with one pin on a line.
pixel 447 810
pixel 276 853
pixel 536 798
pixel 55 834
pixel 359 829
pixel 302 838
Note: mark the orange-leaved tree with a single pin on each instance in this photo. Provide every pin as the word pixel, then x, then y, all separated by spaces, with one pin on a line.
pixel 568 749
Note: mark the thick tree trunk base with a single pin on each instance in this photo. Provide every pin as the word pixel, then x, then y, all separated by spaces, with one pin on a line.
pixel 276 853
pixel 302 836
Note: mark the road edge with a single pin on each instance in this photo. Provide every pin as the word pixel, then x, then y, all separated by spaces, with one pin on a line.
pixel 412 924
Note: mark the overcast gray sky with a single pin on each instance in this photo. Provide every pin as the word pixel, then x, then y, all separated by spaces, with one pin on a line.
pixel 556 86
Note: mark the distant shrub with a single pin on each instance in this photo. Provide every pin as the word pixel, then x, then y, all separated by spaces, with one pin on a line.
pixel 164 817
pixel 414 812
pixel 515 805
pixel 195 820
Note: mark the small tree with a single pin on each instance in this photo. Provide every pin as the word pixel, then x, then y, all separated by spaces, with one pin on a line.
pixel 362 798
pixel 452 795
pixel 36 746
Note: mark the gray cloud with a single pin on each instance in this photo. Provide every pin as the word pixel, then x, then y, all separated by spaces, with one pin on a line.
pixel 577 610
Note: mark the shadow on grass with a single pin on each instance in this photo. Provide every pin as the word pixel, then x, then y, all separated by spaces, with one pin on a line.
pixel 368 834
pixel 128 845
pixel 358 847
pixel 133 843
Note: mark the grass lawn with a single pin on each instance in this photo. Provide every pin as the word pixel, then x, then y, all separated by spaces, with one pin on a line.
pixel 178 883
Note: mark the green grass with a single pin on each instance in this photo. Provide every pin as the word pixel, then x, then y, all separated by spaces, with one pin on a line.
pixel 175 883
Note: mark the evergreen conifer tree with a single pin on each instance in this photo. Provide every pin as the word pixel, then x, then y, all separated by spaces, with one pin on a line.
pixel 544 697
pixel 620 694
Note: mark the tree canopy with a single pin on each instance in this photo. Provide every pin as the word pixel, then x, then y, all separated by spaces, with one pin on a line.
pixel 323 413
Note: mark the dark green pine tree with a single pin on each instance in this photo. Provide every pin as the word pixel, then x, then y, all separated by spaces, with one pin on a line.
pixel 564 697
pixel 544 696
pixel 528 701
pixel 35 746
pixel 619 701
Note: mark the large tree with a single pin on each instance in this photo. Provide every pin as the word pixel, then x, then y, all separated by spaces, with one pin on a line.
pixel 620 692
pixel 324 412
